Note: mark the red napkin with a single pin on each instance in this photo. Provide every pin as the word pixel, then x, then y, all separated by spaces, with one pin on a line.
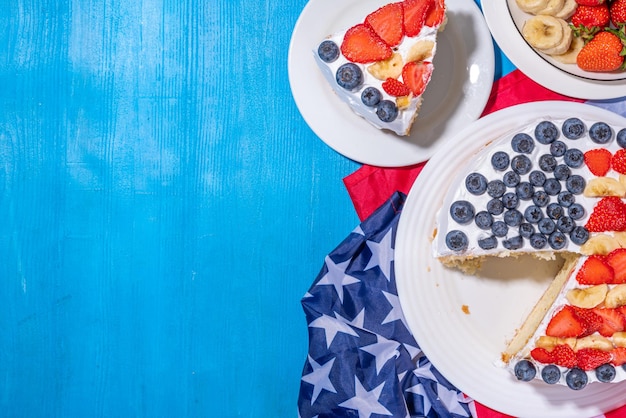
pixel 369 186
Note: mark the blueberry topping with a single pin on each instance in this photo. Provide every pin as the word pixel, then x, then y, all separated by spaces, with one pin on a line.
pixel 605 373
pixel 496 188
pixel 547 163
pixel 565 224
pixel 600 133
pixel 513 217
pixel 537 178
pixel 562 172
pixel 541 198
pixel 552 187
pixel 521 164
pixel 525 371
pixel 510 179
pixel 476 183
pixel 500 161
pixel 576 378
pixel 525 190
pixel 513 243
pixel 522 143
pixel 574 157
pixel 538 241
pixel 488 243
pixel 499 229
pixel 621 138
pixel 546 132
pixel 558 148
pixel 566 199
pixel 510 200
pixel 387 111
pixel 557 240
pixel 483 220
pixel 462 211
pixel 575 184
pixel 349 76
pixel 495 207
pixel 533 214
pixel 576 211
pixel 526 230
pixel 554 211
pixel 328 51
pixel 573 128
pixel 551 374
pixel 579 235
pixel 371 96
pixel 457 241
pixel 546 226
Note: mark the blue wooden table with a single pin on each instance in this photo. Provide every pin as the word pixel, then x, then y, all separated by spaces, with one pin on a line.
pixel 163 208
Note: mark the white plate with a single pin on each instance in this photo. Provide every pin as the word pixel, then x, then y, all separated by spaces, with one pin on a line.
pixel 465 346
pixel 456 96
pixel 505 21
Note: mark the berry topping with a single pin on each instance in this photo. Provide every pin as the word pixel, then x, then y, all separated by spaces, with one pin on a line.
pixel 496 188
pixel 573 128
pixel 618 162
pixel 349 76
pixel 476 184
pixel 546 226
pixel 564 355
pixel 537 178
pixel 510 200
pixel 542 355
pixel 395 88
pixel 416 75
pixel 590 358
pixel 617 260
pixel 371 96
pixel 525 190
pixel 361 44
pixel 621 138
pixel 575 184
pixel 457 241
pixel 565 224
pixel 566 324
pixel 618 356
pixel 562 172
pixel 579 235
pixel 462 211
pixel 514 243
pixel 541 198
pixel 415 12
pixel 521 164
pixel 554 211
pixel 598 161
pixel 547 163
pixel 526 230
pixel 606 373
pixel 538 241
pixel 495 207
pixel 574 157
pixel 388 23
pixel 483 220
pixel 557 240
pixel 546 132
pixel 513 217
pixel 533 214
pixel 328 51
pixel 600 133
pixel 576 211
pixel 612 321
pixel 566 199
pixel 551 374
pixel 510 179
pixel 558 148
pixel 500 160
pixel 488 243
pixel 499 229
pixel 609 214
pixel 525 371
pixel 595 270
pixel 436 15
pixel 576 379
pixel 522 143
pixel 387 111
pixel 552 187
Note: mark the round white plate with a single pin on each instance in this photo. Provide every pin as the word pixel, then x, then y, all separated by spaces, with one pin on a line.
pixel 505 21
pixel 462 322
pixel 456 96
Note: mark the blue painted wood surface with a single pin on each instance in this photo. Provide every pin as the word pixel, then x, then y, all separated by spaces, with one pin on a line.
pixel 163 208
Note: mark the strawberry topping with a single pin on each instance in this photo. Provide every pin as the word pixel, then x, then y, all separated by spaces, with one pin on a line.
pixel 361 44
pixel 595 270
pixel 590 358
pixel 617 260
pixel 566 324
pixel 619 161
pixel 395 88
pixel 415 12
pixel 416 75
pixel 609 214
pixel 388 23
pixel 598 161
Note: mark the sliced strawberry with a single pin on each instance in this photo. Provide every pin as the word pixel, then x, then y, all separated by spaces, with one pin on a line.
pixel 591 320
pixel 416 75
pixel 598 161
pixel 388 23
pixel 619 161
pixel 415 12
pixel 395 88
pixel 609 214
pixel 590 358
pixel 595 270
pixel 361 44
pixel 564 356
pixel 617 260
pixel 612 321
pixel 542 355
pixel 436 15
pixel 622 310
pixel 565 324
pixel 618 356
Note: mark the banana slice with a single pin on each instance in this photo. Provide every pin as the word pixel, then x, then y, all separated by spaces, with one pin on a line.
pixel 543 32
pixel 594 341
pixel 569 57
pixel 604 186
pixel 389 68
pixel 568 9
pixel 532 6
pixel 587 297
pixel 619 339
pixel 549 343
pixel 616 297
pixel 552 8
pixel 565 43
pixel 620 236
pixel 600 244
pixel 420 51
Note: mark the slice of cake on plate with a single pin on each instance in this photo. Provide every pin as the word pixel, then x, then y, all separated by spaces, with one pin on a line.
pixel 381 66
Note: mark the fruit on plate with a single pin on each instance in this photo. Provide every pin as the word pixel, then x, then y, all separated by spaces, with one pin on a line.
pixel 603 53
pixel 548 34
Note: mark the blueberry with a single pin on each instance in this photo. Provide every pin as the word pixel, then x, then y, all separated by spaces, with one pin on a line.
pixel 574 157
pixel 605 373
pixel 538 241
pixel 496 188
pixel 541 198
pixel 546 226
pixel 510 179
pixel 495 207
pixel 565 224
pixel 499 229
pixel 575 184
pixel 510 200
pixel 573 128
pixel 533 214
pixel 566 199
pixel 526 230
pixel 349 76
pixel 562 172
pixel 513 217
pixel 552 187
pixel 500 161
pixel 483 220
pixel 600 133
pixel 557 240
pixel 525 190
pixel 621 138
pixel 513 243
pixel 328 51
pixel 576 211
pixel 547 163
pixel 457 241
pixel 579 235
pixel 476 183
pixel 546 132
pixel 537 178
pixel 521 164
pixel 558 148
pixel 554 211
pixel 462 211
pixel 522 143
pixel 551 374
pixel 387 111
pixel 371 96
pixel 525 371
pixel 488 243
pixel 576 378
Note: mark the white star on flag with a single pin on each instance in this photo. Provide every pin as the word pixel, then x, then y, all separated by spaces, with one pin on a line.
pixel 396 310
pixel 331 327
pixel 452 400
pixel 425 371
pixel 337 276
pixel 320 377
pixel 383 350
pixel 366 403
pixel 357 322
pixel 419 389
pixel 382 255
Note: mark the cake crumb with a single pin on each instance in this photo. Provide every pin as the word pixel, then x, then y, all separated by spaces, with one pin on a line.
pixel 465 309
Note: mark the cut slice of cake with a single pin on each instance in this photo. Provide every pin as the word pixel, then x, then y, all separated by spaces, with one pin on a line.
pixel 381 66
